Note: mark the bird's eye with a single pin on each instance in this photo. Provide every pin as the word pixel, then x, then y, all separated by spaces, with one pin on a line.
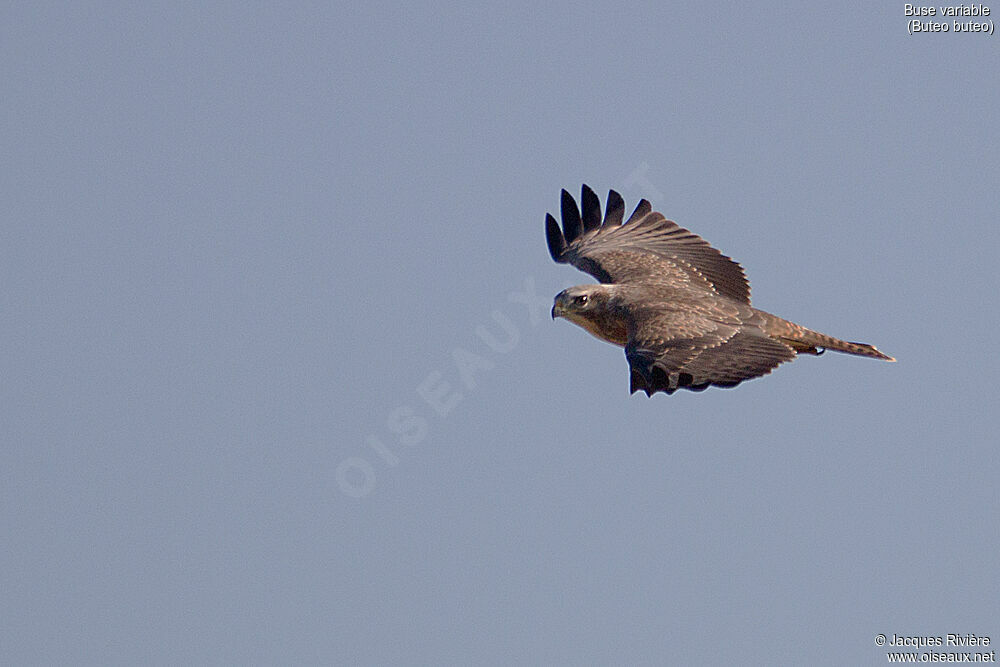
pixel 581 300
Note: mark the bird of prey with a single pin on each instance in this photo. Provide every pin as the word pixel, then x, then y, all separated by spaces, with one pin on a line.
pixel 679 307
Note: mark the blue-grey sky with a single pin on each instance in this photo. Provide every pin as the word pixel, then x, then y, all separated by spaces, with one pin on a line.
pixel 280 387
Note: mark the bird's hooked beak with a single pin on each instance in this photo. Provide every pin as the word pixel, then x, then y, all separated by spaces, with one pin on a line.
pixel 557 309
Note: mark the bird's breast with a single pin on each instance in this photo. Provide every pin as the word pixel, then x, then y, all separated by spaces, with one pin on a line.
pixel 605 326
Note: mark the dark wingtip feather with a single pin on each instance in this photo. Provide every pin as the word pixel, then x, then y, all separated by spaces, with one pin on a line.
pixel 636 382
pixel 640 211
pixel 591 209
pixel 615 211
pixel 554 235
pixel 572 224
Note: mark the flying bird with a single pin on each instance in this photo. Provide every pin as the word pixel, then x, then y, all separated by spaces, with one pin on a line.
pixel 679 307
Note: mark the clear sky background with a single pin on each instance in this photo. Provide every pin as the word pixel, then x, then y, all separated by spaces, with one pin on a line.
pixel 238 240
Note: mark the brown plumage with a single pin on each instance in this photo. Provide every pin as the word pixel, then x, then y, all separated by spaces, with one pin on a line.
pixel 679 307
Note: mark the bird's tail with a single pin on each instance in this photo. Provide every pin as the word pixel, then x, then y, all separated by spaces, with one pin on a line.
pixel 807 341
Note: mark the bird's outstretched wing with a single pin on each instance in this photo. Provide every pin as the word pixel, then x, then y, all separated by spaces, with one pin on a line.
pixel 647 244
pixel 690 350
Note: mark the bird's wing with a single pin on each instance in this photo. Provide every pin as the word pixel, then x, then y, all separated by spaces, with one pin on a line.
pixel 647 244
pixel 693 349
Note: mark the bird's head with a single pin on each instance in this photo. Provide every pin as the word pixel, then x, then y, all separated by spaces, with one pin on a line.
pixel 593 308
pixel 579 302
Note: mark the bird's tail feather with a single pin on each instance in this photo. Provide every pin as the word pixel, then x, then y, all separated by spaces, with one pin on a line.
pixel 807 341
